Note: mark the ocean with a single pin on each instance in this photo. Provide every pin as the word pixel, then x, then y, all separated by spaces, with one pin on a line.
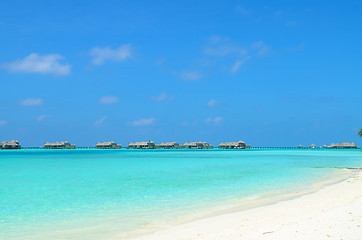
pixel 100 194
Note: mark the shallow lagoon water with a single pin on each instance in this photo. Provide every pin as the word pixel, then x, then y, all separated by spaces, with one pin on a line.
pixel 70 194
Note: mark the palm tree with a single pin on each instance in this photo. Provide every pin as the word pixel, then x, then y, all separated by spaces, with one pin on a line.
pixel 360 133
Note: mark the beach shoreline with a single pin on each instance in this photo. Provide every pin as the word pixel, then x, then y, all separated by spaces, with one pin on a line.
pixel 333 212
pixel 258 180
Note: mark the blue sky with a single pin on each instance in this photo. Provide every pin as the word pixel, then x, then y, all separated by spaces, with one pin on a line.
pixel 278 73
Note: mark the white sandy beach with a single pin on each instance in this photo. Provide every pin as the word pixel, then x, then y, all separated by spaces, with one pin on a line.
pixel 334 212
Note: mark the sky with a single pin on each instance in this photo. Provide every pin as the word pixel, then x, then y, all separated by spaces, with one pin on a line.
pixel 271 73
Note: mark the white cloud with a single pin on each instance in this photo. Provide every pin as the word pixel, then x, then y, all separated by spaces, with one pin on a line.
pixel 235 67
pixel 100 55
pixel 43 64
pixel 213 103
pixel 162 97
pixel 144 122
pixel 42 117
pixel 2 123
pixel 214 121
pixel 100 121
pixel 32 102
pixel 220 47
pixel 108 99
pixel 260 47
pixel 191 76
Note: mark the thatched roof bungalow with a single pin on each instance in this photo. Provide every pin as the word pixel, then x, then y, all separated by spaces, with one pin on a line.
pixel 13 144
pixel 234 145
pixel 312 146
pixel 334 145
pixel 196 145
pixel 142 145
pixel 300 146
pixel 348 145
pixel 343 145
pixel 59 145
pixel 325 146
pixel 108 145
pixel 168 145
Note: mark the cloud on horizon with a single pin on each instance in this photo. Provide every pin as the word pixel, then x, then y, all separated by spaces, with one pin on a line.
pixel 101 55
pixel 42 64
pixel 32 102
pixel 144 122
pixel 108 100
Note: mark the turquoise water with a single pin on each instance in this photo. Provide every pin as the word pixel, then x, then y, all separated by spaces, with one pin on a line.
pixel 97 194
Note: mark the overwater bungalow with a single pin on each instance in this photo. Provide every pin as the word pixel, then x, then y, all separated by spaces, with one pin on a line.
pixel 343 145
pixel 168 145
pixel 334 145
pixel 59 145
pixel 300 146
pixel 196 145
pixel 325 146
pixel 142 145
pixel 348 145
pixel 13 144
pixel 312 146
pixel 108 145
pixel 234 145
